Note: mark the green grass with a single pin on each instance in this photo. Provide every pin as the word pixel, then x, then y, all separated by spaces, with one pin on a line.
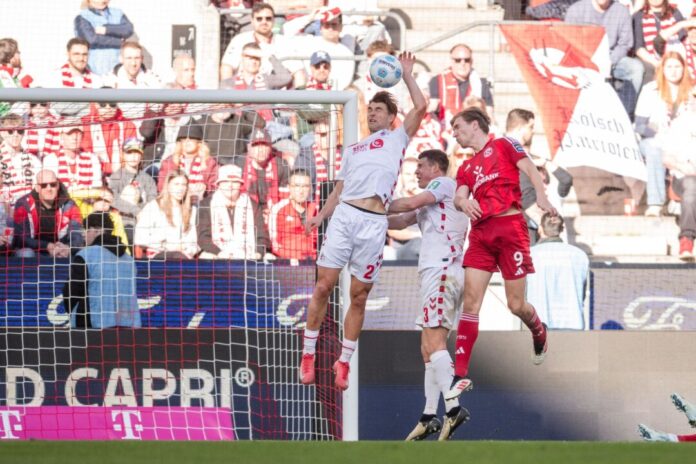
pixel 276 452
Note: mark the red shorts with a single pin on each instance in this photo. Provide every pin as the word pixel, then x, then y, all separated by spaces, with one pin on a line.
pixel 500 243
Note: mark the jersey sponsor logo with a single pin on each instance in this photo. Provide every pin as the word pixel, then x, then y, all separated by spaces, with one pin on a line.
pixel 488 152
pixel 377 143
pixel 478 172
pixel 360 147
pixel 433 185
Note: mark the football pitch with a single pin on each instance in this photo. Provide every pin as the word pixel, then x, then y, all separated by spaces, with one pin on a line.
pixel 276 452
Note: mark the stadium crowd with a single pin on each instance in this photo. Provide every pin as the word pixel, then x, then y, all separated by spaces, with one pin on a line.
pixel 240 183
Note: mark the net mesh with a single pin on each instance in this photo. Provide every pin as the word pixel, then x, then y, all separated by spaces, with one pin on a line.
pixel 210 345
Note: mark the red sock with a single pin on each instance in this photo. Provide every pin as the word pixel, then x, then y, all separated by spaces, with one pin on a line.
pixel 535 326
pixel 686 437
pixel 467 332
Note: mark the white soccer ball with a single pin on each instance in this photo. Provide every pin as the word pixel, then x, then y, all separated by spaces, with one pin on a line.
pixel 385 71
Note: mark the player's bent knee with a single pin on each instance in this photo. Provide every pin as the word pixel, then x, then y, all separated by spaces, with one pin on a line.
pixel 516 306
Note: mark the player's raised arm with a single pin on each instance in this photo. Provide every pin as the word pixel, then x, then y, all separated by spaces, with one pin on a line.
pixel 525 165
pixel 403 205
pixel 414 117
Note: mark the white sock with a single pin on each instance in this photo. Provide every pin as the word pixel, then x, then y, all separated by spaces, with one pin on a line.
pixel 432 391
pixel 347 350
pixel 310 341
pixel 444 373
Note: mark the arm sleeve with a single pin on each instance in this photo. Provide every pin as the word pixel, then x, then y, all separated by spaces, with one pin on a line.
pixel 512 149
pixel 527 189
pixel 122 30
pixel 85 30
pixel 205 235
pixel 486 92
pixel 624 37
pixel 75 291
pixel 638 36
pixel 22 232
pixel 433 87
pixel 440 190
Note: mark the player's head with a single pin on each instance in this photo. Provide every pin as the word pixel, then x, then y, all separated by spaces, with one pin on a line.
pixel 551 226
pixel 469 125
pixel 381 111
pixel 431 164
pixel 520 125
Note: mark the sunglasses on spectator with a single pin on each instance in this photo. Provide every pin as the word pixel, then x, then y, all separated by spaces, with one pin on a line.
pixel 32 105
pixel 263 18
pixel 322 66
pixel 110 105
pixel 332 25
pixel 459 60
pixel 15 131
pixel 44 185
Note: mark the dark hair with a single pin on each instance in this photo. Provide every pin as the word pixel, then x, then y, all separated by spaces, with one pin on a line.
pixel 386 98
pixel 76 41
pixel 517 117
pixel 551 225
pixel 438 157
pixel 474 114
pixel 299 172
pixel 8 48
pixel 99 220
pixel 666 10
pixel 261 6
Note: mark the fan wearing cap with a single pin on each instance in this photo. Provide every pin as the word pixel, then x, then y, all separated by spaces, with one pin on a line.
pixel 192 156
pixel 226 219
pixel 266 178
pixel 17 167
pixel 101 291
pixel 106 130
pixel 319 71
pixel 76 169
pixel 132 187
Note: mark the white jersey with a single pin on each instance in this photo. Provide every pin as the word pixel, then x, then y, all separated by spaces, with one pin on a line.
pixel 371 166
pixel 443 227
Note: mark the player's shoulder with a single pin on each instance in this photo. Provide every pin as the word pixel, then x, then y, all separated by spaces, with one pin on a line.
pixel 509 143
pixel 441 182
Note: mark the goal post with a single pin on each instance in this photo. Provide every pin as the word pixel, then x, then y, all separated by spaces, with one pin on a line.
pixel 157 377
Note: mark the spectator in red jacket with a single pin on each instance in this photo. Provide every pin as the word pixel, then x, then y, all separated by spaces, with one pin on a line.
pixel 106 131
pixel 288 218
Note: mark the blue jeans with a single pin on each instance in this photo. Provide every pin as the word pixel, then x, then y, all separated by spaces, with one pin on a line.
pixel 686 189
pixel 652 152
pixel 628 70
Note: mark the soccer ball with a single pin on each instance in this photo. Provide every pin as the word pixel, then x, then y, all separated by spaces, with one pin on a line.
pixel 385 71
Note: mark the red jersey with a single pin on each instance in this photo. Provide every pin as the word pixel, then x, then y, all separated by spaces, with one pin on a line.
pixel 493 177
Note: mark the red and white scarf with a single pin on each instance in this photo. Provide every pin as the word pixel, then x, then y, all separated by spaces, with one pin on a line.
pixel 450 99
pixel 78 172
pixel 19 170
pixel 41 138
pixel 69 81
pixel 322 169
pixel 193 167
pixel 234 235
pixel 271 180
pixel 313 84
pixel 652 25
pixel 690 59
pixel 257 83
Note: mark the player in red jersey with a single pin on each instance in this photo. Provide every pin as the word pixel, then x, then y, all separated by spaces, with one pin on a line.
pixel 498 239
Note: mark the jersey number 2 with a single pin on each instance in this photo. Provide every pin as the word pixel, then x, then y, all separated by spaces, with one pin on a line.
pixel 370 271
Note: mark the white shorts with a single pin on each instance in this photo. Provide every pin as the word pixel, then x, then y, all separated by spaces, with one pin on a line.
pixel 441 296
pixel 356 238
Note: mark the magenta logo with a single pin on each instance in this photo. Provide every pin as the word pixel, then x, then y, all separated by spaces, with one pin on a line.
pixel 378 143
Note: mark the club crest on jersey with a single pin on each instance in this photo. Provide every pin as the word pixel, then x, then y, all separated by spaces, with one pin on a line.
pixel 488 152
pixel 377 143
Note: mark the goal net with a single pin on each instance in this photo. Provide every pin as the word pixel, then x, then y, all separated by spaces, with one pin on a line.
pixel 188 325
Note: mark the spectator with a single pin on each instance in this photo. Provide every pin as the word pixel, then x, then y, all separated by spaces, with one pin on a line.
pixel 272 45
pixel 250 77
pixel 131 73
pixel 105 29
pixel 616 20
pixel 288 218
pixel 191 156
pixel 132 187
pixel 319 71
pixel 42 137
pixel 330 41
pixel 46 221
pixel 429 135
pixel 184 72
pixel 166 226
pixel 651 20
pixel 679 157
pixel 101 199
pixel 660 102
pixel 365 29
pixel 18 167
pixel 314 156
pixel 266 182
pixel 11 65
pixel 688 41
pixel 160 134
pixel 226 219
pixel 288 150
pixel 407 241
pixel 106 130
pixel 460 80
pixel 6 229
pixel 76 169
pixel 101 292
pixel 226 131
pixel 557 289
pixel 457 157
pixel 75 73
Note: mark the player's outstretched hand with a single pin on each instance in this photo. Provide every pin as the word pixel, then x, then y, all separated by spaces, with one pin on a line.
pixel 407 60
pixel 546 206
pixel 312 224
pixel 471 208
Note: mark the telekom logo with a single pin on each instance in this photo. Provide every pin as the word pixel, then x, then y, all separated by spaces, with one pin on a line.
pixel 129 423
pixel 10 421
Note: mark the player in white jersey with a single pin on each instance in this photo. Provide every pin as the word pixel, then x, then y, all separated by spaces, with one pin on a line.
pixel 441 283
pixel 358 228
